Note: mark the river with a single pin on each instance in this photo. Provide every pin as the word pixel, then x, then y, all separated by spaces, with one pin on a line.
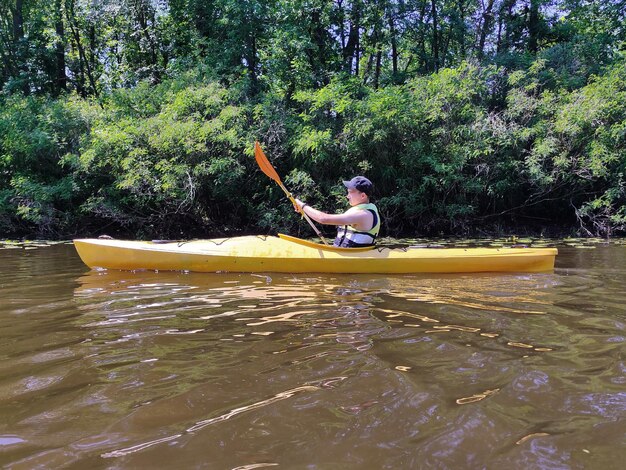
pixel 104 369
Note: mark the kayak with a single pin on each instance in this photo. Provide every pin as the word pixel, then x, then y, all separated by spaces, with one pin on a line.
pixel 286 254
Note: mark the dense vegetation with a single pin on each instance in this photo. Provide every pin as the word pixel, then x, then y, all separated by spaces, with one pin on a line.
pixel 137 117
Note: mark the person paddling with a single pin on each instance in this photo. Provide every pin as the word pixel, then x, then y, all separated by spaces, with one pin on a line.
pixel 360 224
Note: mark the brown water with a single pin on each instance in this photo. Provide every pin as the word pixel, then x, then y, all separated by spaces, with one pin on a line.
pixel 175 370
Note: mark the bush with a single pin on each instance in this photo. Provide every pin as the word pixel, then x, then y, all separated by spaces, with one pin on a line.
pixel 176 159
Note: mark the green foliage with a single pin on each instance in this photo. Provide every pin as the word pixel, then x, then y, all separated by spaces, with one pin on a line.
pixel 38 136
pixel 166 167
pixel 571 146
pixel 418 141
pixel 139 117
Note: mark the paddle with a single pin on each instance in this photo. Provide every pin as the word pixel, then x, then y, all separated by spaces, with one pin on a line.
pixel 268 169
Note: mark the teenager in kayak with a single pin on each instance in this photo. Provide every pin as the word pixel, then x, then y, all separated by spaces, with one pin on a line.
pixel 360 224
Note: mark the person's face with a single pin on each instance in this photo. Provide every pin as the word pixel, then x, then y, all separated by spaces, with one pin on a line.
pixel 356 197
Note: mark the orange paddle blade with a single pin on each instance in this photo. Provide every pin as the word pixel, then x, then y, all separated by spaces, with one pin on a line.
pixel 264 163
pixel 268 169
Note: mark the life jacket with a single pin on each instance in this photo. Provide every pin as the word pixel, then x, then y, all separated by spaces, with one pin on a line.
pixel 350 237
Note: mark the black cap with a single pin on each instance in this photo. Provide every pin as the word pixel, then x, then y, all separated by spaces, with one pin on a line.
pixel 360 183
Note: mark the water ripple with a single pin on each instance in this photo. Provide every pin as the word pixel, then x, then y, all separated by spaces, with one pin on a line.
pixel 330 371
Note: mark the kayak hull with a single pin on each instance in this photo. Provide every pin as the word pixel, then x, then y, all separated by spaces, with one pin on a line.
pixel 286 254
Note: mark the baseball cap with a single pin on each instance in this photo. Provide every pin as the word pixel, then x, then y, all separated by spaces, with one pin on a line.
pixel 360 183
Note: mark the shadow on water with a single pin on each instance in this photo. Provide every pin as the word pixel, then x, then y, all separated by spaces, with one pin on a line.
pixel 134 369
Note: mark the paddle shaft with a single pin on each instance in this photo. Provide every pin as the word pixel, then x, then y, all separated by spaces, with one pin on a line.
pixel 308 219
pixel 268 169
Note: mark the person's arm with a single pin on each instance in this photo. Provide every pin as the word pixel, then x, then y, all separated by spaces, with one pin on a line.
pixel 350 217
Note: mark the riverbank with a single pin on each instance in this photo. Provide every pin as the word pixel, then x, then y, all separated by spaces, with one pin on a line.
pixel 443 159
pixel 500 231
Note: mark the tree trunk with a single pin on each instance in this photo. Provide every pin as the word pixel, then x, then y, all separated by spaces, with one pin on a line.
pixel 18 21
pixel 446 45
pixel 422 37
pixel 84 62
pixel 19 45
pixel 59 47
pixel 7 45
pixel 533 26
pixel 93 45
pixel 379 55
pixel 505 20
pixel 435 44
pixel 487 19
pixel 374 59
pixel 351 51
pixel 462 38
pixel 394 45
pixel 318 58
pixel 145 15
pixel 252 62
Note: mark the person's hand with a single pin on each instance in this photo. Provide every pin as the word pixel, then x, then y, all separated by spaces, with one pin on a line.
pixel 298 205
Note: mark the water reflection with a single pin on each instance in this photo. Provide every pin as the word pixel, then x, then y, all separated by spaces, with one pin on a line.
pixel 320 325
pixel 265 304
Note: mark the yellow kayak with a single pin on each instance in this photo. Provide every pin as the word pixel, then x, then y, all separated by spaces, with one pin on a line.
pixel 286 254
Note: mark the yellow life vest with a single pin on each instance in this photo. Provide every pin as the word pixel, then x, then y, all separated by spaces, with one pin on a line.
pixel 350 237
